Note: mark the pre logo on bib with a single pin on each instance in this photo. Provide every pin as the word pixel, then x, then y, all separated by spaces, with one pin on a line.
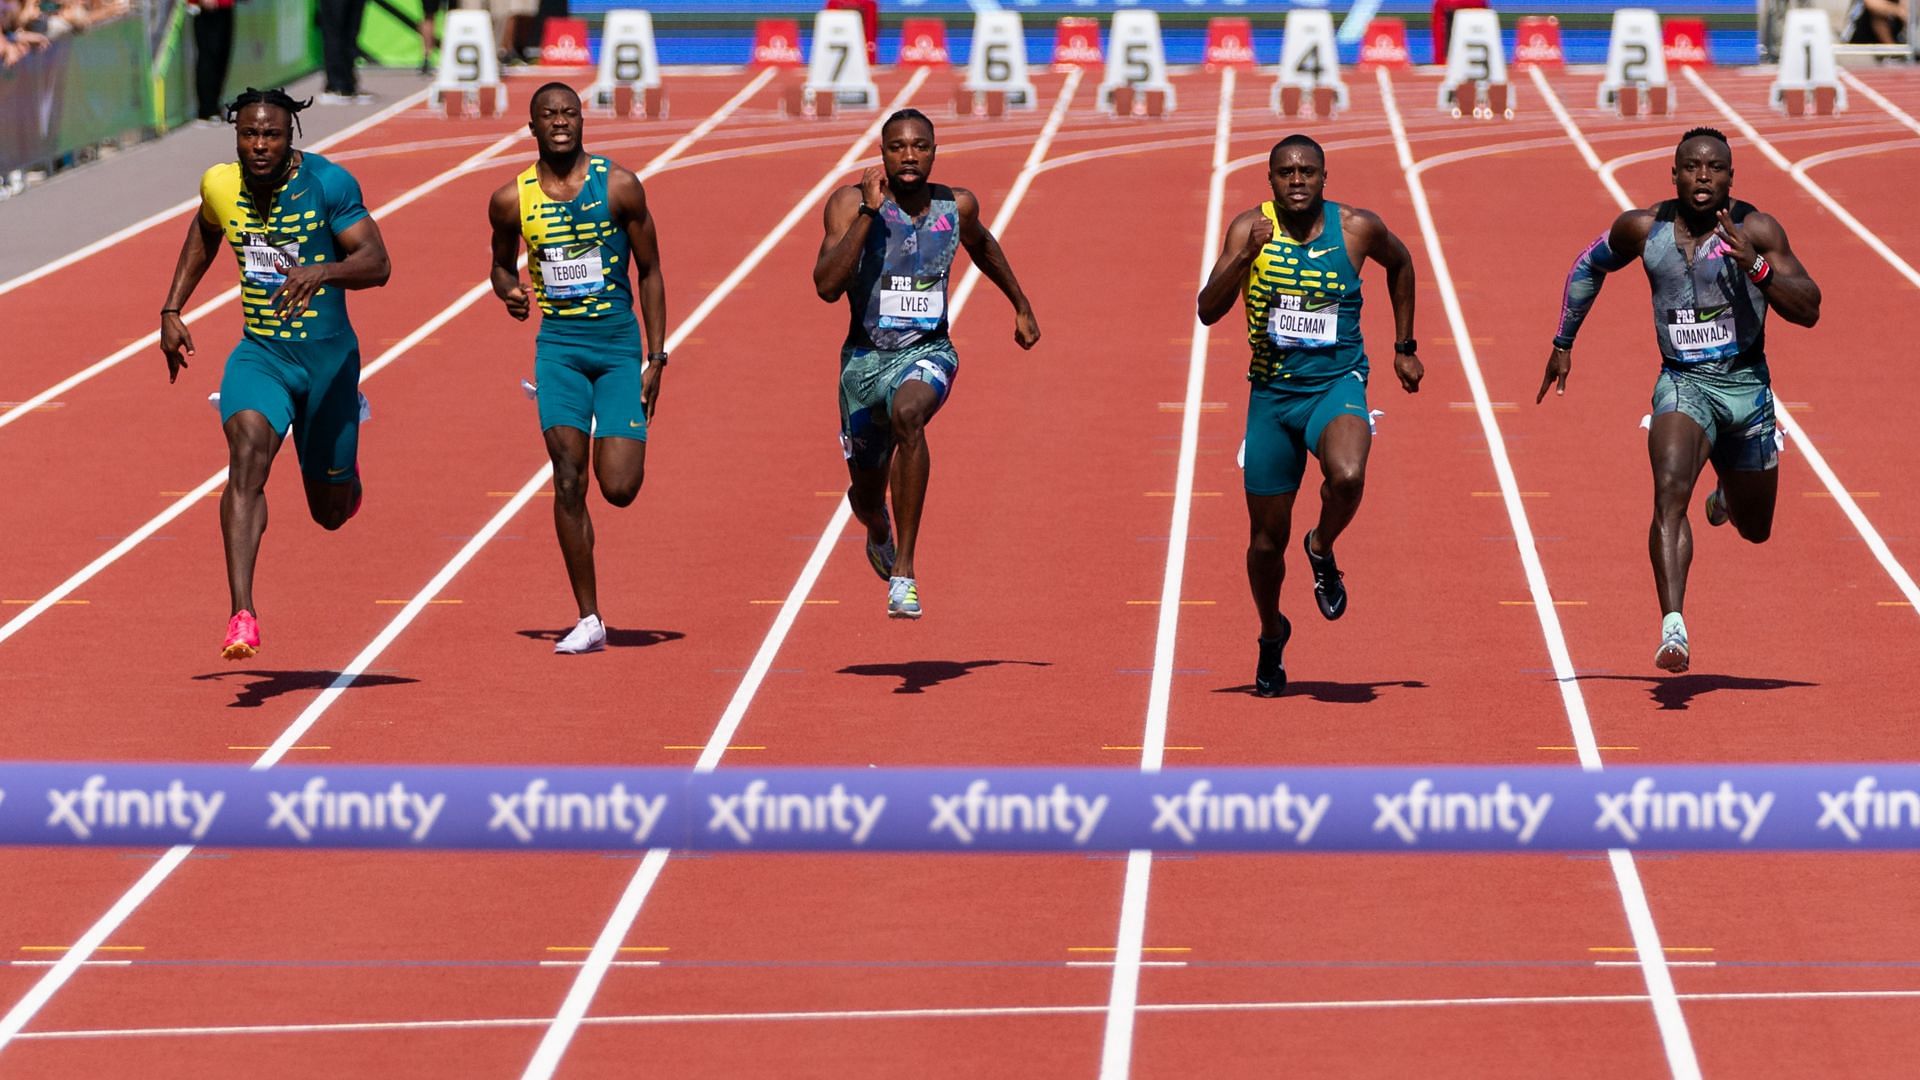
pixel 571 273
pixel 266 263
pixel 1300 322
pixel 1700 334
pixel 910 304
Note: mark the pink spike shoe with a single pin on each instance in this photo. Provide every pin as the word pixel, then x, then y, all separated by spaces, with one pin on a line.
pixel 243 637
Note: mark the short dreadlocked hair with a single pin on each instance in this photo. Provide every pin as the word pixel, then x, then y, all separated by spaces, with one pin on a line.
pixel 275 97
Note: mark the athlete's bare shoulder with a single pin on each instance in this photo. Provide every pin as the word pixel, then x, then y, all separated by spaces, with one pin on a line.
pixel 966 202
pixel 503 206
pixel 1628 233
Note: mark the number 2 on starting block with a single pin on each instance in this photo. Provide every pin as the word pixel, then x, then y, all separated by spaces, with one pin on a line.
pixel 1136 60
pixel 1636 61
pixel 1309 65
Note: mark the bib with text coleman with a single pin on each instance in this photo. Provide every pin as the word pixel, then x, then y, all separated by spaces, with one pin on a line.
pixel 577 256
pixel 1303 308
pixel 898 297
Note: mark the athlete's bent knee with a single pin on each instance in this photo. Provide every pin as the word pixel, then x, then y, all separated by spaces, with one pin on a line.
pixel 1754 532
pixel 1346 484
pixel 569 489
pixel 621 493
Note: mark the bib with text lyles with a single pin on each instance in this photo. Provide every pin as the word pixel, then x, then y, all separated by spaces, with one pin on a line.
pixel 1701 334
pixel 909 303
pixel 571 273
pixel 1295 321
pixel 266 263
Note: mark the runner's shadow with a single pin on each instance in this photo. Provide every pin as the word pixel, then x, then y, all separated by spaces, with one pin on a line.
pixel 267 685
pixel 1678 691
pixel 617 638
pixel 1333 693
pixel 916 675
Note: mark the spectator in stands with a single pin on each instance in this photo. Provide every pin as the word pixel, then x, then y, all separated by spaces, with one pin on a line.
pixel 17 39
pixel 869 19
pixel 339 48
pixel 1876 22
pixel 213 51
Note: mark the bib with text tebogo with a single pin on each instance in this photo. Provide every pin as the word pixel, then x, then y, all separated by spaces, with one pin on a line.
pixel 1702 333
pixel 910 304
pixel 1298 322
pixel 266 264
pixel 571 274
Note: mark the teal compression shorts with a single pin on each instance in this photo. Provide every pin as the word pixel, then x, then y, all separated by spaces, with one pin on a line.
pixel 1284 425
pixel 589 378
pixel 312 387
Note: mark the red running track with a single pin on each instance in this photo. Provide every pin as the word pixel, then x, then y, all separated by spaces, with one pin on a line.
pixel 817 965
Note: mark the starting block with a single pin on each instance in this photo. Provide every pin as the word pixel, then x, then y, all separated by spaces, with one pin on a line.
pixel 1636 65
pixel 997 68
pixel 837 63
pixel 629 67
pixel 798 100
pixel 1475 84
pixel 1309 66
pixel 469 75
pixel 1139 66
pixel 1806 66
pixel 989 103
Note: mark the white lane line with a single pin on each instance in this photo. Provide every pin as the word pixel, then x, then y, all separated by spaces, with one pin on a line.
pixel 185 205
pixel 961 1013
pixel 1123 995
pixel 1860 87
pixel 1815 460
pixel 1674 1037
pixel 220 300
pixel 567 1019
pixel 24 1010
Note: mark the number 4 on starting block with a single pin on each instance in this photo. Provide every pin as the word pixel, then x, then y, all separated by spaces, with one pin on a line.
pixel 629 67
pixel 1476 62
pixel 1636 65
pixel 468 68
pixel 1309 66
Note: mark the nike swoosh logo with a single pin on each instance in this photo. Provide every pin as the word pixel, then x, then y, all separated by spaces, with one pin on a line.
pixel 338 472
pixel 591 205
pixel 635 423
pixel 1314 253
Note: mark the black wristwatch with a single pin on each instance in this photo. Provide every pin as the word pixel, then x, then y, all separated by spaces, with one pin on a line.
pixel 657 359
pixel 868 210
pixel 1407 347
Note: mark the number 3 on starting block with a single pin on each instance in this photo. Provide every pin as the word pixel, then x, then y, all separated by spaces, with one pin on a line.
pixel 1475 60
pixel 1309 65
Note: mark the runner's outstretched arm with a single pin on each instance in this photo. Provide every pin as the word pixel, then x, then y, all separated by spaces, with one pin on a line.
pixel 992 261
pixel 503 213
pixel 1248 233
pixel 1387 249
pixel 629 199
pixel 1613 250
pixel 196 254
pixel 363 265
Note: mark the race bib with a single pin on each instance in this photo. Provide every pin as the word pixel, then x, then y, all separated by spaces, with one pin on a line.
pixel 571 277
pixel 262 263
pixel 1292 325
pixel 903 305
pixel 1701 334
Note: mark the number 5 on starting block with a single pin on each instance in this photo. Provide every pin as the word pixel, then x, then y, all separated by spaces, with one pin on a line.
pixel 1309 65
pixel 1137 61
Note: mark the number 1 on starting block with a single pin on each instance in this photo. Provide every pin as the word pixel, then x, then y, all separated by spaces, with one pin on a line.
pixel 1806 66
pixel 468 66
pixel 1309 65
pixel 629 64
